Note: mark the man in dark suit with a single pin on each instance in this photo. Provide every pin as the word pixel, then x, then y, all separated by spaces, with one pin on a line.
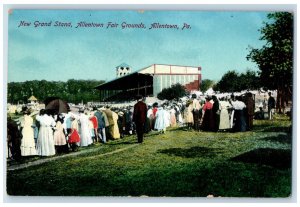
pixel 250 108
pixel 271 106
pixel 139 117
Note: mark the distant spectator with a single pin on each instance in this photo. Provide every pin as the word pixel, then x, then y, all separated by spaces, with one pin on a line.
pixel 271 106
pixel 239 115
pixel 250 107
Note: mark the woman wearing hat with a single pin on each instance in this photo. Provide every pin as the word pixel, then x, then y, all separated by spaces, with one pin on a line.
pixel 188 114
pixel 207 115
pixel 27 142
pixel 45 142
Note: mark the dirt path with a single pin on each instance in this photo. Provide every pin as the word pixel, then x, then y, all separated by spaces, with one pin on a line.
pixel 41 161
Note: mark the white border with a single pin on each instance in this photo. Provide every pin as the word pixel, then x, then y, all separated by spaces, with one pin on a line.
pixel 153 5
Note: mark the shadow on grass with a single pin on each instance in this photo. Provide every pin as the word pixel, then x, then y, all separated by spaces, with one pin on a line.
pixel 281 138
pixel 192 152
pixel 270 128
pixel 180 128
pixel 277 158
pixel 123 143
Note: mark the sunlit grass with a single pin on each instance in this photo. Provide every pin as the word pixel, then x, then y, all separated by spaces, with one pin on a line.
pixel 178 163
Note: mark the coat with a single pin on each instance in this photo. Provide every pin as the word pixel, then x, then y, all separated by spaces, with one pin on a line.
pixel 140 113
pixel 100 119
pixel 114 129
pixel 109 116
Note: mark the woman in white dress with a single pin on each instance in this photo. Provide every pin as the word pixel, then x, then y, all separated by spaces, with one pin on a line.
pixel 162 120
pixel 224 115
pixel 85 135
pixel 27 143
pixel 45 142
pixel 60 137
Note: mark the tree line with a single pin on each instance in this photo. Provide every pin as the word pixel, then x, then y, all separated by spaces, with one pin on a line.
pixel 233 81
pixel 72 91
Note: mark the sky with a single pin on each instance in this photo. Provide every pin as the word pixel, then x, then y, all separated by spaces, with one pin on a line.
pixel 217 41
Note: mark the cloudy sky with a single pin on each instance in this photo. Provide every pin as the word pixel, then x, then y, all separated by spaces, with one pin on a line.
pixel 216 41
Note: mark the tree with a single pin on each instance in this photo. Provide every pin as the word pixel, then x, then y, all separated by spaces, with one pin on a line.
pixel 275 58
pixel 233 81
pixel 249 80
pixel 229 82
pixel 174 92
pixel 206 84
pixel 73 91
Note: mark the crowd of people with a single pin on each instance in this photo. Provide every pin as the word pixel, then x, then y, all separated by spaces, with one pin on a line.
pixel 43 133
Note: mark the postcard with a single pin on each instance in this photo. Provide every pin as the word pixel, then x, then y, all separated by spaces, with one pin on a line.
pixel 145 103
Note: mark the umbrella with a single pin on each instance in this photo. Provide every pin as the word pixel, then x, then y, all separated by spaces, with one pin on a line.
pixel 58 106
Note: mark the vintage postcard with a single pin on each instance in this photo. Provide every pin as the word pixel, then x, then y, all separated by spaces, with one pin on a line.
pixel 150 103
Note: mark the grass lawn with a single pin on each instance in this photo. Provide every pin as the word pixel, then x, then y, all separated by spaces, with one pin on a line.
pixel 176 164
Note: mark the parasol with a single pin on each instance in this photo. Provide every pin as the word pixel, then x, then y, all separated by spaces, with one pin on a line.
pixel 58 106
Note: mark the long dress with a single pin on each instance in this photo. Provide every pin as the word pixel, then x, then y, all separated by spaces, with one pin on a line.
pixel 45 142
pixel 59 136
pixel 161 121
pixel 74 136
pixel 27 142
pixel 239 116
pixel 114 129
pixel 173 118
pixel 85 135
pixel 208 123
pixel 224 115
pixel 188 113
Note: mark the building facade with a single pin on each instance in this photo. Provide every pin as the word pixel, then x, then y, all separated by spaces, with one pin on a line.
pixel 164 76
pixel 150 81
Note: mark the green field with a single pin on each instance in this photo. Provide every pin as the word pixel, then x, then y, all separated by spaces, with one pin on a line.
pixel 179 163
